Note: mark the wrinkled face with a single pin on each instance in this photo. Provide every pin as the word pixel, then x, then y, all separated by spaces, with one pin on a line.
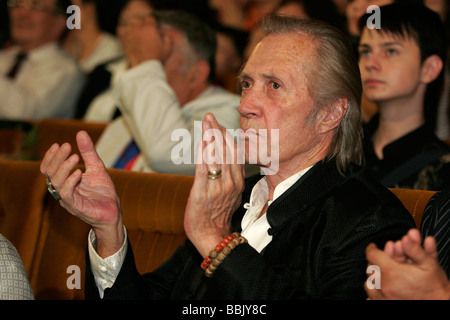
pixel 390 66
pixel 275 95
pixel 35 23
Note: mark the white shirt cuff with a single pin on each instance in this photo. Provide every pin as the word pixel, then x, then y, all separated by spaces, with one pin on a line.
pixel 105 270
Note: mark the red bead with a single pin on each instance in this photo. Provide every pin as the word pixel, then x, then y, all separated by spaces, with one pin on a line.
pixel 218 248
pixel 206 263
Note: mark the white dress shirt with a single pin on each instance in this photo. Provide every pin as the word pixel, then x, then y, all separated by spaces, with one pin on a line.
pixel 254 229
pixel 105 270
pixel 47 84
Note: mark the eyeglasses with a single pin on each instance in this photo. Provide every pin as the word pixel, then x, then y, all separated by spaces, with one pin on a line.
pixel 33 5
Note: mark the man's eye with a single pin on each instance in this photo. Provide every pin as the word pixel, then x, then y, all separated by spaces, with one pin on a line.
pixel 275 85
pixel 364 53
pixel 245 84
pixel 391 52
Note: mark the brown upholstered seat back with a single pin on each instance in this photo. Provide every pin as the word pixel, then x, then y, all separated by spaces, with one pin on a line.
pixel 22 191
pixel 10 142
pixel 153 209
pixel 62 244
pixel 50 240
pixel 12 134
pixel 414 201
pixel 63 130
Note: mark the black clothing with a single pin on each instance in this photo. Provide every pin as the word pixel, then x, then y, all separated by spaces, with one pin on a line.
pixel 430 174
pixel 436 223
pixel 320 226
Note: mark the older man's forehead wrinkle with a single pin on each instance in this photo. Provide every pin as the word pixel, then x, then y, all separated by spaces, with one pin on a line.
pixel 295 51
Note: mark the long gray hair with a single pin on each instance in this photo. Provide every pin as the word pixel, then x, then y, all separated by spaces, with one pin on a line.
pixel 332 76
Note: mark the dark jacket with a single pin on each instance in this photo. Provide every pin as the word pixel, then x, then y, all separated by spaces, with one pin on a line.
pixel 320 226
pixel 418 160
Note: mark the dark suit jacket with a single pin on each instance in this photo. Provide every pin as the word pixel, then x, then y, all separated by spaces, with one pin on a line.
pixel 320 226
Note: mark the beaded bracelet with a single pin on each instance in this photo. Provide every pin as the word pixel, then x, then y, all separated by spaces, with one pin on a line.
pixel 218 249
pixel 220 252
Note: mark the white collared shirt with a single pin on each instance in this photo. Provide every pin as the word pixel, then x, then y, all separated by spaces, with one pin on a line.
pixel 47 84
pixel 254 229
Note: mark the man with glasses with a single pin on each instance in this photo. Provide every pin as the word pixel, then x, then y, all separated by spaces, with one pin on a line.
pixel 37 79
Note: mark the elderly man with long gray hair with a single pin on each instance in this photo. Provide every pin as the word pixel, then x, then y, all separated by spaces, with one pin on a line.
pixel 299 232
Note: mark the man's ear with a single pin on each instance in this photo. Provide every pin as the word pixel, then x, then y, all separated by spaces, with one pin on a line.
pixel 431 68
pixel 332 115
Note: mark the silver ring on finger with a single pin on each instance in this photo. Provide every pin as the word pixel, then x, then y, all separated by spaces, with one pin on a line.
pixel 51 189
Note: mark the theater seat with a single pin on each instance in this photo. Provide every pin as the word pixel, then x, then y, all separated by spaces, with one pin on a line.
pixel 52 243
pixel 153 209
pixel 62 245
pixel 414 201
pixel 51 131
pixel 12 134
pixel 22 201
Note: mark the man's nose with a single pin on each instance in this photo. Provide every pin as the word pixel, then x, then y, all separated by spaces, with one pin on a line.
pixel 250 106
pixel 372 62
